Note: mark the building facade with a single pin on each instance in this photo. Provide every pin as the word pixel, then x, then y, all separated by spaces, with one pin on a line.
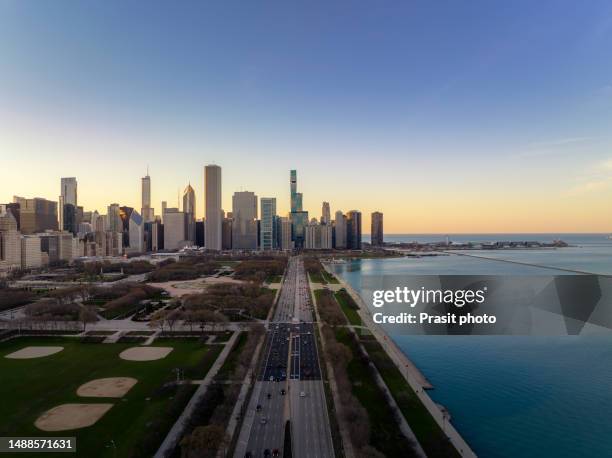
pixel 325 213
pixel 244 226
pixel 376 232
pixel 189 208
pixel 146 211
pixel 353 230
pixel 213 212
pixel 340 231
pixel 175 229
pixel 267 232
pixel 36 215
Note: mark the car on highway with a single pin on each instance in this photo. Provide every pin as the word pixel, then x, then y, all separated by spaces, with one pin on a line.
pixel 267 452
pixel 302 394
pixel 263 420
pixel 275 452
pixel 283 392
pixel 248 455
pixel 269 395
pixel 258 408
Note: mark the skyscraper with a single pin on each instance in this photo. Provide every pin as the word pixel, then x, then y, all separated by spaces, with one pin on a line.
pixel 340 231
pixel 267 230
pixel 115 224
pixel 244 227
pixel 296 197
pixel 376 232
pixel 189 208
pixel 69 190
pixel 299 218
pixel 325 213
pixel 285 234
pixel 36 215
pixel 353 226
pixel 189 200
pixel 175 229
pixel 212 199
pixel 146 210
pixel 67 205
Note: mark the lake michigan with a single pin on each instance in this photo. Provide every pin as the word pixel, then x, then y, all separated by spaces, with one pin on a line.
pixel 514 396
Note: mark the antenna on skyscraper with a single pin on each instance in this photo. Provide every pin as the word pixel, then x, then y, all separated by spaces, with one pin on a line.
pixel 147 169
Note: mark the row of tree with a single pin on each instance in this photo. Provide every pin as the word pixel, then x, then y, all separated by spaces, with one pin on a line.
pixel 354 413
pixel 206 431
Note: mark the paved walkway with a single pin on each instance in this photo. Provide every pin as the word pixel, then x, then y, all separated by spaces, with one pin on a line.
pixel 347 444
pixel 238 411
pixel 175 434
pixel 411 374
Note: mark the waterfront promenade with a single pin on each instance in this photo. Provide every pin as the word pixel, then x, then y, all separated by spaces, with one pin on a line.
pixel 407 368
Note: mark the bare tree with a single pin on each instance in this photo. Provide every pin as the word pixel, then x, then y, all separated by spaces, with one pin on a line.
pixel 172 317
pixel 87 315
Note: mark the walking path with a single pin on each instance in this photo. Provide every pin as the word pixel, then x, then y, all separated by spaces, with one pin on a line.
pixel 175 434
pixel 347 444
pixel 238 411
pixel 411 373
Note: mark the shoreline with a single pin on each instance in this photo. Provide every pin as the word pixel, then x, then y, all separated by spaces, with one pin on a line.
pixel 411 373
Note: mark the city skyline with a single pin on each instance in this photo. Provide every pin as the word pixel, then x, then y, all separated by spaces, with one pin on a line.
pixel 443 131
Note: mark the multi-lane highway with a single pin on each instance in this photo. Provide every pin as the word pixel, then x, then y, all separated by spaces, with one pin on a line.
pixel 289 386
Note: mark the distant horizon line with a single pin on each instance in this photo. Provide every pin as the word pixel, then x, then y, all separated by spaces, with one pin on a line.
pixel 445 234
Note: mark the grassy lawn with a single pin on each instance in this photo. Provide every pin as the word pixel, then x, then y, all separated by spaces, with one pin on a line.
pixel 385 434
pixel 329 277
pixel 317 278
pixel 230 362
pixel 274 278
pixel 423 425
pixel 348 307
pixel 136 423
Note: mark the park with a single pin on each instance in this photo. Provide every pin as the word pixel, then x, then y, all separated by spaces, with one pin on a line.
pixel 118 399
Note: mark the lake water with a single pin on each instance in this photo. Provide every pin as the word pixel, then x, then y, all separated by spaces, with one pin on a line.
pixel 512 396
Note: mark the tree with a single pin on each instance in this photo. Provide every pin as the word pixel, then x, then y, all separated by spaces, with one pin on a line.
pixel 158 320
pixel 87 315
pixel 203 442
pixel 172 317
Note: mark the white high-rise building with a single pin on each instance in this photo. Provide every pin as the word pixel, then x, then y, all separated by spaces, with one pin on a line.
pixel 175 229
pixel 212 210
pixel 266 227
pixel 340 230
pixel 318 236
pixel 31 253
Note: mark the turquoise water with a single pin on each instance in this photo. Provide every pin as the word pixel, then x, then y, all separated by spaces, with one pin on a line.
pixel 515 396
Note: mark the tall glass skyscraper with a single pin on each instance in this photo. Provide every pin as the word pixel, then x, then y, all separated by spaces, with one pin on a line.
pixel 299 218
pixel 266 229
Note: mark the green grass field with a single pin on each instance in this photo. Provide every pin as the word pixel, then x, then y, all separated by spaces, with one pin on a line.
pixel 136 423
pixel 347 305
pixel 385 434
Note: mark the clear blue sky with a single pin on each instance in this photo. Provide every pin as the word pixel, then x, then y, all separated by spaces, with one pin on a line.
pixel 413 108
